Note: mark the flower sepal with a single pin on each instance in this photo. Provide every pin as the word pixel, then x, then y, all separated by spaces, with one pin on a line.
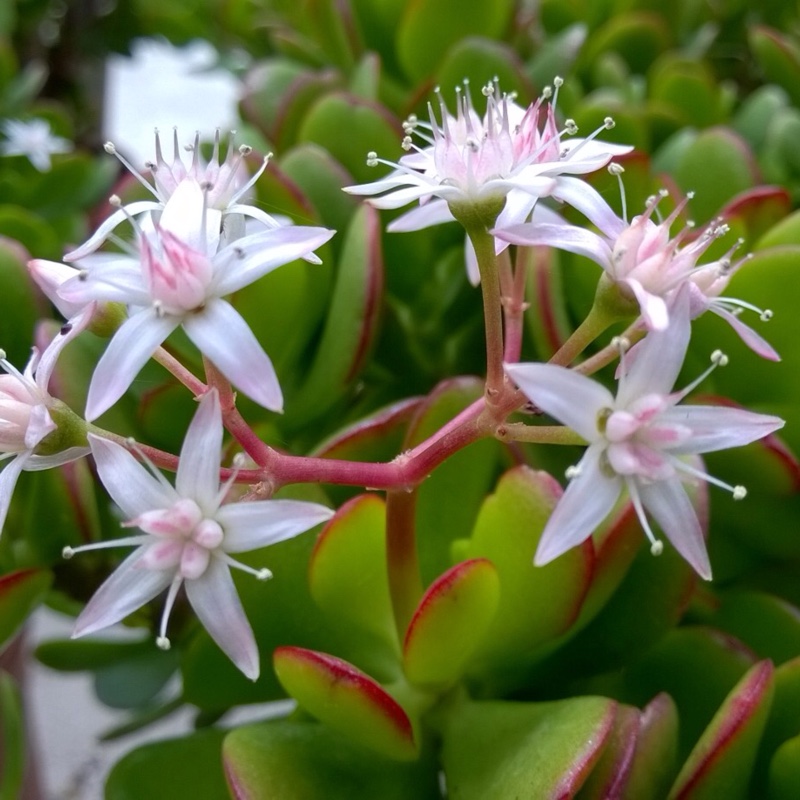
pixel 70 431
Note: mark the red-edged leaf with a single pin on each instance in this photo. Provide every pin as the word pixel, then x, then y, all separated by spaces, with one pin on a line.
pixel 338 694
pixel 610 776
pixel 722 761
pixel 449 622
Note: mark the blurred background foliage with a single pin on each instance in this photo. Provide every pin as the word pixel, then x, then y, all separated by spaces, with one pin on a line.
pixel 372 348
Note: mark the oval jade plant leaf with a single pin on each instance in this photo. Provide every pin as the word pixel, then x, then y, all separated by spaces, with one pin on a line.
pixel 536 603
pixel 302 760
pixel 499 750
pixel 784 771
pixel 338 694
pixel 722 761
pixel 347 572
pixel 20 593
pixel 449 623
pixel 778 57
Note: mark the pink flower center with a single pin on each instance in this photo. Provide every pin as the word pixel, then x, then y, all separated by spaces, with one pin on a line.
pixel 16 404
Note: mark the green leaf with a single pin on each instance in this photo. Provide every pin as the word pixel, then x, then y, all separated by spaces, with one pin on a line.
pixel 351 322
pixel 28 229
pixel 20 593
pixel 721 763
pixel 430 27
pixel 172 768
pixel 499 750
pixel 20 309
pixel 784 771
pixel 348 700
pixel 450 622
pixel 778 57
pixel 12 739
pixel 288 760
pixel 537 604
pixel 636 36
pixel 347 574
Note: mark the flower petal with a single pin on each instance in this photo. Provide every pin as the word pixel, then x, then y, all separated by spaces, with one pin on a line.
pixel 671 508
pixel 183 217
pixel 565 237
pixel 248 259
pixel 198 468
pixel 224 337
pixel 586 199
pixel 264 522
pixel 434 213
pixel 127 352
pixel 129 483
pixel 587 501
pixel 753 340
pixel 718 427
pixel 125 590
pixel 214 599
pixel 565 395
pixel 8 480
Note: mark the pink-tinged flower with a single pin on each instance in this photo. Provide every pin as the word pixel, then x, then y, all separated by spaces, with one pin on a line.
pixel 33 139
pixel 637 441
pixel 26 414
pixel 225 184
pixel 651 265
pixel 173 282
pixel 187 537
pixel 511 156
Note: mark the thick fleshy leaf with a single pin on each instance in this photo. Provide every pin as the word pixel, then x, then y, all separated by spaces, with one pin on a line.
pixel 721 762
pixel 295 760
pixel 610 776
pixel 655 757
pixel 352 319
pixel 784 771
pixel 778 56
pixel 347 572
pixel 450 622
pixel 20 592
pixel 12 736
pixel 164 770
pixel 345 698
pixel 537 604
pixel 542 750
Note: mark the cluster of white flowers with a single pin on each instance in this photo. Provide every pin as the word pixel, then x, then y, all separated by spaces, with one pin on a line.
pixel 193 247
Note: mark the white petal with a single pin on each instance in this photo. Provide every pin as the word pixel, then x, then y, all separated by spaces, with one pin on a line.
pixel 248 259
pixel 591 204
pixel 198 469
pixel 222 335
pixel 101 234
pixel 125 590
pixel 753 340
pixel 118 281
pixel 129 483
pixel 8 480
pixel 127 352
pixel 518 206
pixel 565 237
pixel 47 363
pixel 434 213
pixel 718 427
pixel 183 217
pixel 659 357
pixel 589 498
pixel 48 276
pixel 40 423
pixel 214 599
pixel 471 261
pixel 671 508
pixel 565 395
pixel 264 522
pixel 36 463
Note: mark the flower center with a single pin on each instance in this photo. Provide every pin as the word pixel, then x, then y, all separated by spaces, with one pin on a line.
pixel 16 405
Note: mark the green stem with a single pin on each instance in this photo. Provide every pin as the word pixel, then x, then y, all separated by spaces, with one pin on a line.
pixel 483 242
pixel 538 434
pixel 402 561
pixel 597 321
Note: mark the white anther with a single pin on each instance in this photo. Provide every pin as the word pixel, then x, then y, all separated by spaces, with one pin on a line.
pixel 766 315
pixel 67 552
pixel 657 547
pixel 739 492
pixel 163 643
pixel 109 148
pixel 608 123
pixel 615 169
pixel 572 472
pixel 719 358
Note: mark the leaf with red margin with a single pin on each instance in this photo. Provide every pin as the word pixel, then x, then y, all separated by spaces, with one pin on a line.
pixel 610 776
pixel 537 604
pixel 303 760
pixel 347 573
pixel 722 761
pixel 338 694
pixel 20 593
pixel 504 750
pixel 449 623
pixel 655 759
pixel 756 211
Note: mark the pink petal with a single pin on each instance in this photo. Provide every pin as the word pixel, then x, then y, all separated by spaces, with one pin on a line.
pixel 126 589
pixel 198 469
pixel 127 352
pixel 264 522
pixel 567 396
pixel 587 501
pixel 753 340
pixel 565 237
pixel 214 599
pixel 653 308
pixel 671 508
pixel 222 335
pixel 590 203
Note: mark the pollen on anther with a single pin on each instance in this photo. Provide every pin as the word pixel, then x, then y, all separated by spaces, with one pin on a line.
pixel 608 123
pixel 615 169
pixel 739 492
pixel 114 200
pixel 766 315
pixel 109 148
pixel 572 472
pixel 719 358
pixel 571 127
pixel 657 547
pixel 245 149
pixel 621 343
pixel 263 574
pixel 3 355
pixel 67 552
pixel 372 159
pixel 163 643
pixel 558 81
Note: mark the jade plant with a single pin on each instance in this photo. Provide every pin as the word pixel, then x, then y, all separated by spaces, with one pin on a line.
pixel 403 403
